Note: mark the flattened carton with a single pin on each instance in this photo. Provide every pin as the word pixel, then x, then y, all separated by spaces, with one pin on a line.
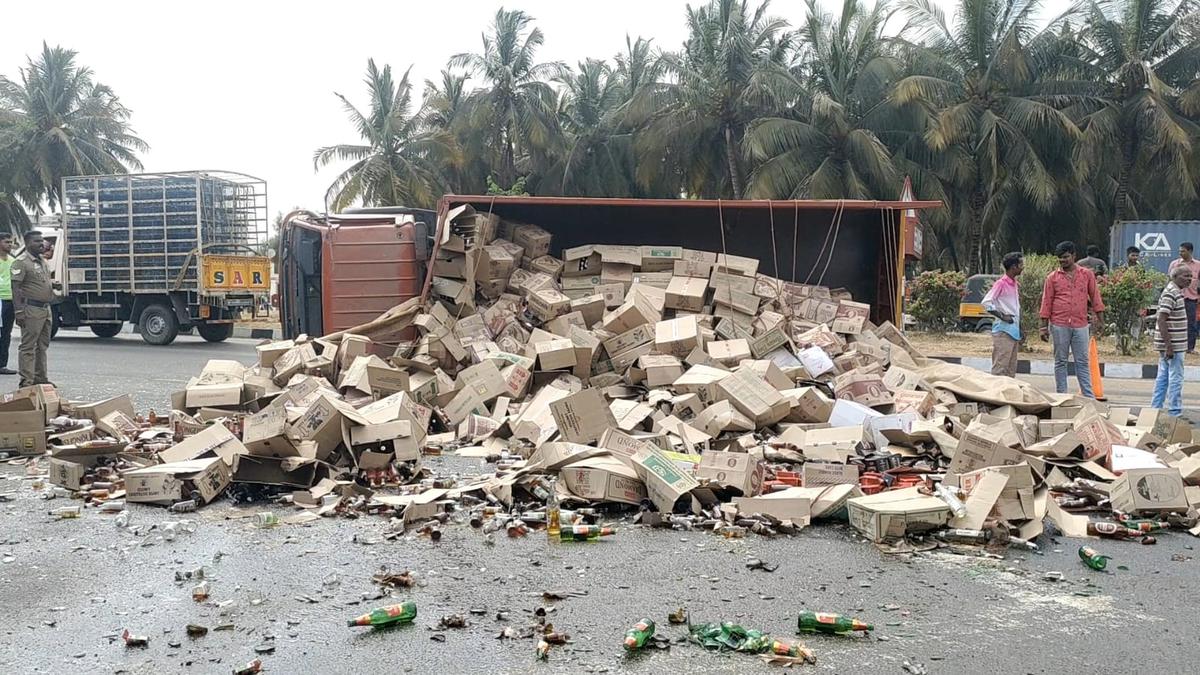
pixel 894 513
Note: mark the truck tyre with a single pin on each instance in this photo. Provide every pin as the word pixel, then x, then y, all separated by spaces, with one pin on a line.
pixel 158 325
pixel 106 330
pixel 215 332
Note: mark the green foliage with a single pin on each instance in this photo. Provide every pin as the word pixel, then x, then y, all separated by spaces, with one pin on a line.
pixel 57 121
pixel 517 189
pixel 935 299
pixel 1127 292
pixel 1029 288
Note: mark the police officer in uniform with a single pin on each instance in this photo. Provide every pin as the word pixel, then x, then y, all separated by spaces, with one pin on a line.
pixel 32 294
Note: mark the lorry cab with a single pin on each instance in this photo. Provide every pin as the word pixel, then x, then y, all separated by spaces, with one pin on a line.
pixel 339 271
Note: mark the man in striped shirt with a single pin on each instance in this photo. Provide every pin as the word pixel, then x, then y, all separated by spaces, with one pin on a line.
pixel 1171 340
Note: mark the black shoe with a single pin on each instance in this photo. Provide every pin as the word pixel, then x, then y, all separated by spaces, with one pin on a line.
pixel 7 371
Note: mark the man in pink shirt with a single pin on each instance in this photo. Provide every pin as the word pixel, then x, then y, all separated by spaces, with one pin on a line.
pixel 1067 293
pixel 1190 295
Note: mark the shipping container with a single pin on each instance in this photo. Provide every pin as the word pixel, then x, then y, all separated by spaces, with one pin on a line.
pixel 1158 241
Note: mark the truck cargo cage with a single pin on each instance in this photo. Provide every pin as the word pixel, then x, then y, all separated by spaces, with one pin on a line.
pixel 134 232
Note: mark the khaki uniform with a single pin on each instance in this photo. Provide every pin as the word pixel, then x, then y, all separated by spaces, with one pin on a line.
pixel 31 283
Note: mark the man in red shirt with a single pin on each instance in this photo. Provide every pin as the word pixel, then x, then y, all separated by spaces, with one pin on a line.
pixel 1067 293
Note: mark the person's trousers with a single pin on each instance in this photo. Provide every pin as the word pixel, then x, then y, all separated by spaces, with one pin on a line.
pixel 1004 354
pixel 1192 324
pixel 1074 341
pixel 7 315
pixel 35 340
pixel 1168 386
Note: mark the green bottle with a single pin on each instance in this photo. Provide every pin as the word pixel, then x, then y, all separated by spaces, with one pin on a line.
pixel 834 624
pixel 585 532
pixel 636 637
pixel 1092 558
pixel 405 612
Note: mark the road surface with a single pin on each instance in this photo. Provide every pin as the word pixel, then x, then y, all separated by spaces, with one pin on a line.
pixel 68 588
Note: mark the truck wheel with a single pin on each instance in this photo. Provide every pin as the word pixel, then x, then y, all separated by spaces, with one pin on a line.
pixel 158 325
pixel 106 330
pixel 215 332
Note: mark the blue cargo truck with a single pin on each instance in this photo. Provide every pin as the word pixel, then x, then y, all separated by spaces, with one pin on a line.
pixel 1158 240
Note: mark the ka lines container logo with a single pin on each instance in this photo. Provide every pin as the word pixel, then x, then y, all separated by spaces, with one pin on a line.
pixel 1151 241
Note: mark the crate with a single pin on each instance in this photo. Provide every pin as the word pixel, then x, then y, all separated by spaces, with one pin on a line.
pixel 134 233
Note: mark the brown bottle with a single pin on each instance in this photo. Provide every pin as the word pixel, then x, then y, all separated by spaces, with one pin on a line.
pixel 1109 530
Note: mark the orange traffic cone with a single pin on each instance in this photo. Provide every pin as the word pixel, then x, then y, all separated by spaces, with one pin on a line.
pixel 1094 366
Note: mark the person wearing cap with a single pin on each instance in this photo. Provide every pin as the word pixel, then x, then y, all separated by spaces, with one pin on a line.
pixel 33 293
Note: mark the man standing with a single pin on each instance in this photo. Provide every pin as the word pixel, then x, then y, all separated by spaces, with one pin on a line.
pixel 32 294
pixel 1190 296
pixel 1132 256
pixel 1094 262
pixel 1170 340
pixel 7 315
pixel 1064 313
pixel 1003 302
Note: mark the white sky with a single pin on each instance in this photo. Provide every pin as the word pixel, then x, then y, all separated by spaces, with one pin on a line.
pixel 248 86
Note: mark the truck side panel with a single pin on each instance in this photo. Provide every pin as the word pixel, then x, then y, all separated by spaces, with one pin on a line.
pixel 368 269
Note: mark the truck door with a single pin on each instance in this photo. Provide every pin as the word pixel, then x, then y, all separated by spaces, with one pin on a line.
pixel 300 282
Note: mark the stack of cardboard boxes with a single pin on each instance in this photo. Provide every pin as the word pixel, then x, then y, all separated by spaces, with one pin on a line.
pixel 643 375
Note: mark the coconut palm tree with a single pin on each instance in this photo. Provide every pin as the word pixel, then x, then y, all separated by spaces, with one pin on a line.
pixel 639 65
pixel 827 146
pixel 446 109
pixel 732 70
pixel 398 161
pixel 979 79
pixel 517 104
pixel 63 123
pixel 597 158
pixel 1142 58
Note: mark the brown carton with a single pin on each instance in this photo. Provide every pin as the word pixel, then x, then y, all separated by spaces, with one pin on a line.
pixel 555 354
pixel 862 387
pixel 686 293
pixel 895 513
pixel 692 268
pixel 729 352
pixel 665 482
pixel 582 417
pixel 199 479
pixel 23 432
pixel 737 264
pixel 603 479
pixel 547 264
pixel 660 258
pixel 739 470
pixel 533 240
pixel 547 303
pixel 1161 424
pixel 753 397
pixel 677 337
pixel 700 380
pixel 494 263
pixel 1149 491
pixel 816 474
pixel 982 445
pixel 581 261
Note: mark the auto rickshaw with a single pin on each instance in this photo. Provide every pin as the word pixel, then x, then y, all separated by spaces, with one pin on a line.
pixel 972 317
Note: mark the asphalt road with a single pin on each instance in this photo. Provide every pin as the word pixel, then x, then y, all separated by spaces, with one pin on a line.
pixel 68 588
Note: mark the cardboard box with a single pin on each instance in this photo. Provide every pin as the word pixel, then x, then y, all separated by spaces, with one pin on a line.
pixel 548 303
pixel 784 505
pixel 660 369
pixel 634 337
pixel 591 307
pixel 214 439
pixel 547 264
pixel 895 513
pixel 700 380
pixel 69 464
pixel 582 417
pixel 665 481
pixel 556 354
pixel 533 240
pixel 1161 424
pixel 753 397
pixel 692 268
pixel 603 479
pixel 98 410
pixel 722 416
pixel 819 474
pixel 321 423
pixel 1149 491
pixel 863 387
pixel 493 263
pixel 199 479
pixel 739 470
pixel 686 293
pixel 393 439
pixel 581 261
pixel 660 258
pixel 677 337
pixel 982 445
pixel 23 432
pixel 729 352
pixel 911 400
pixel 808 405
pixel 850 317
pixel 1015 501
pixel 737 264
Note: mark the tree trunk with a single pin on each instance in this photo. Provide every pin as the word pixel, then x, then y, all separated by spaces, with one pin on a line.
pixel 975 232
pixel 1121 206
pixel 731 158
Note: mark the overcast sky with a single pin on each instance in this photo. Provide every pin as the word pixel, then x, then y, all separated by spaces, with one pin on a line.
pixel 248 86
